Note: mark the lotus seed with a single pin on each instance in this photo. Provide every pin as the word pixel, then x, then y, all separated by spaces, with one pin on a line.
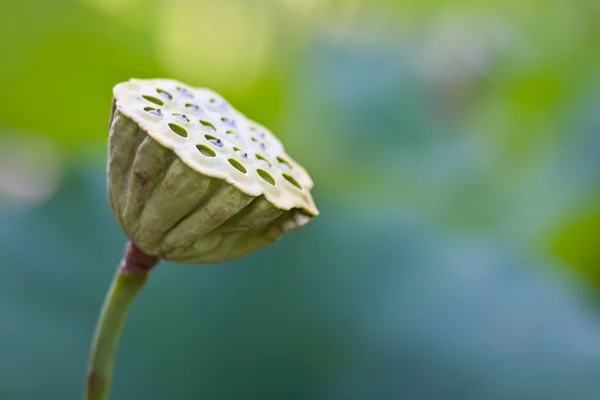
pixel 184 92
pixel 208 125
pixel 153 111
pixel 164 95
pixel 229 122
pixel 193 107
pixel 216 142
pixel 181 117
pixel 284 163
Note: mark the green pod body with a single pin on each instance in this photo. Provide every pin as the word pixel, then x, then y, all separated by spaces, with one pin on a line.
pixel 174 212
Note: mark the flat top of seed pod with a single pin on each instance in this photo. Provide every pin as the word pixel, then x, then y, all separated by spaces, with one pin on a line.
pixel 215 139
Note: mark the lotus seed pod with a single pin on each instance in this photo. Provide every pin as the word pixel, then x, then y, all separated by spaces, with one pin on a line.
pixel 192 180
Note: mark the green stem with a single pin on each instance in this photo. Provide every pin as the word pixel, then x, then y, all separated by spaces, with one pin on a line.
pixel 125 285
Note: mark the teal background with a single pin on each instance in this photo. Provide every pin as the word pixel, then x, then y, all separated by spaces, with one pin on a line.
pixel 455 149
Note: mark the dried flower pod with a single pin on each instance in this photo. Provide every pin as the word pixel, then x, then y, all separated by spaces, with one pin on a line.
pixel 192 180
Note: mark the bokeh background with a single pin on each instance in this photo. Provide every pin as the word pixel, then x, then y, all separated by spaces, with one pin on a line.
pixel 455 147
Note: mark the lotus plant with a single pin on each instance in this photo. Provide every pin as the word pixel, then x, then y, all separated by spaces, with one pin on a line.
pixel 190 180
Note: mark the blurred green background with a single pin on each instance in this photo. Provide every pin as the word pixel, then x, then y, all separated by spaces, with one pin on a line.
pixel 455 149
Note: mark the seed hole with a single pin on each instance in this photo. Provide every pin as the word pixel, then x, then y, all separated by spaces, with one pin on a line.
pixel 208 125
pixel 153 111
pixel 240 152
pixel 178 130
pixel 213 140
pixel 236 164
pixel 153 99
pixel 266 176
pixel 259 143
pixel 229 122
pixel 284 163
pixel 184 91
pixel 263 160
pixel 206 151
pixel 233 133
pixel 181 117
pixel 164 94
pixel 292 181
pixel 193 107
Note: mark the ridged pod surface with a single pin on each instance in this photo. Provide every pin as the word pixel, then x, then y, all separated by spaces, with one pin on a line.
pixel 192 180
